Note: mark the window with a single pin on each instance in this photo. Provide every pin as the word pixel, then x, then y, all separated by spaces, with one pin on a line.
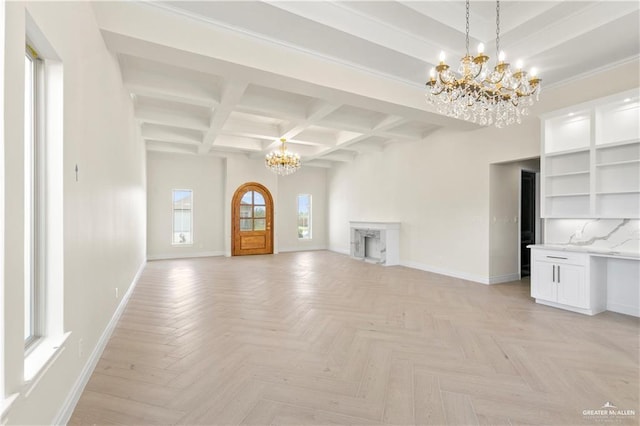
pixel 253 212
pixel 34 200
pixel 182 216
pixel 304 216
pixel 43 204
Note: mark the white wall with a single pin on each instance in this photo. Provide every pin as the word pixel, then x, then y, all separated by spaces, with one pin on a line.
pixel 214 181
pixel 307 180
pixel 504 222
pixel 205 175
pixel 439 187
pixel 2 184
pixel 104 224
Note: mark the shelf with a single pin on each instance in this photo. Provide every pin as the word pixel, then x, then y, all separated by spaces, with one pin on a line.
pixel 617 163
pixel 617 192
pixel 585 172
pixel 569 216
pixel 577 194
pixel 591 159
pixel 568 152
pixel 614 144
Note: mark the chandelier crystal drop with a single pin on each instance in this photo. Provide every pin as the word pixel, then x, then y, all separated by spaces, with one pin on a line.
pixel 282 162
pixel 497 96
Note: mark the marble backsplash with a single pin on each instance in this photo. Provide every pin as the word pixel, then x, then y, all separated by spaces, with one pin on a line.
pixel 612 234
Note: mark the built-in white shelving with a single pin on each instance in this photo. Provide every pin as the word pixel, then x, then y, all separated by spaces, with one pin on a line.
pixel 591 159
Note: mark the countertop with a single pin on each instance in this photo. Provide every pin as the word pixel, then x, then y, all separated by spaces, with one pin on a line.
pixel 594 251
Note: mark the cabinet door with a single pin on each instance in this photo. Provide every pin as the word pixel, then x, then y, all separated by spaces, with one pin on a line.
pixel 572 286
pixel 542 284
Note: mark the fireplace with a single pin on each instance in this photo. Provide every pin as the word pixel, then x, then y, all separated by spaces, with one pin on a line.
pixel 376 242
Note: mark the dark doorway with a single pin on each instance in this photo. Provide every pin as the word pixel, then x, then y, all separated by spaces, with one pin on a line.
pixel 527 220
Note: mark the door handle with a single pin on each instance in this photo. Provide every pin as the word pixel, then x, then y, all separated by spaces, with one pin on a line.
pixel 558 274
pixel 554 274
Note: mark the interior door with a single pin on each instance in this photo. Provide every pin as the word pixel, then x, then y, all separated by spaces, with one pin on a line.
pixel 527 220
pixel 252 220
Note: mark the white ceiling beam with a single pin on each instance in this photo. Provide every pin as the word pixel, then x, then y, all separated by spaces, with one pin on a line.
pixel 169 95
pixel 169 118
pixel 317 111
pixel 347 20
pixel 379 129
pixel 250 129
pixel 243 143
pixel 183 85
pixel 581 21
pixel 171 134
pixel 169 147
pixel 482 18
pixel 171 141
pixel 231 94
pixel 388 122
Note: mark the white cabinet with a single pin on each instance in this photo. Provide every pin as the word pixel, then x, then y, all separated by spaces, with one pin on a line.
pixel 564 280
pixel 591 159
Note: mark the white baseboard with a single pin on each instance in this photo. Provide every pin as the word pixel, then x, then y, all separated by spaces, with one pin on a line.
pixel 301 248
pixel 340 250
pixel 76 391
pixel 168 256
pixel 442 271
pixel 624 309
pixel 499 279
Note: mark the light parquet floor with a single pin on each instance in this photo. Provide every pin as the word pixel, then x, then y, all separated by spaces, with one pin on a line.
pixel 320 338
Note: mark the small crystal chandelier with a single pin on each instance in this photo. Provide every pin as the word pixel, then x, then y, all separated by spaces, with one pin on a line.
pixel 479 95
pixel 282 161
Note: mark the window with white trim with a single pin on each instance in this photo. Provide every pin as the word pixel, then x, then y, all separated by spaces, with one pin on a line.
pixel 34 200
pixel 43 212
pixel 304 217
pixel 182 217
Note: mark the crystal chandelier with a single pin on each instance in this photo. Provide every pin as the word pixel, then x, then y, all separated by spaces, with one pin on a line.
pixel 282 162
pixel 478 94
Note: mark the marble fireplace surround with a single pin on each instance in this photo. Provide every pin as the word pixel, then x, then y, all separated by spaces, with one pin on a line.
pixel 377 242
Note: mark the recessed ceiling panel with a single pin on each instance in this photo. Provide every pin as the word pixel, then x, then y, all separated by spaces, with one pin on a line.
pixel 354 117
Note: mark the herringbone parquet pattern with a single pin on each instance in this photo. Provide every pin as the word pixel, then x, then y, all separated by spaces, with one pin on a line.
pixel 319 338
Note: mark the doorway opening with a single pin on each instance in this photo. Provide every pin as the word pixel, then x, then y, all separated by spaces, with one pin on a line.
pixel 527 219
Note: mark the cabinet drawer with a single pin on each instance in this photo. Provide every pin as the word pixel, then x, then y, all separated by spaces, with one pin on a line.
pixel 561 257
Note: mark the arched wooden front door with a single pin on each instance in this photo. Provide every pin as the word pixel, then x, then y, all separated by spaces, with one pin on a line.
pixel 252 220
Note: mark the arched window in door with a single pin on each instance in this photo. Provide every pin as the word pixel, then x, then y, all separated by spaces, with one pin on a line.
pixel 253 212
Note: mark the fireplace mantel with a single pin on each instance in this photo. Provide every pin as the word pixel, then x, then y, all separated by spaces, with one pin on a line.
pixel 377 242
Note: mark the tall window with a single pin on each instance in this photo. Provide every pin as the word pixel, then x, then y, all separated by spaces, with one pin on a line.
pixel 182 216
pixel 34 200
pixel 304 216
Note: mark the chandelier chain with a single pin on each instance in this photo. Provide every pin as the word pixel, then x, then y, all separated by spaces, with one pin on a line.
pixel 467 39
pixel 498 27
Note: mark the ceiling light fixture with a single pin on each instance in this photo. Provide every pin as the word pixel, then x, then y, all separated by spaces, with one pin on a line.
pixel 282 162
pixel 479 95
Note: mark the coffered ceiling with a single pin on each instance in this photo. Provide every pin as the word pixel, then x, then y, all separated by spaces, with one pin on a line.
pixel 334 78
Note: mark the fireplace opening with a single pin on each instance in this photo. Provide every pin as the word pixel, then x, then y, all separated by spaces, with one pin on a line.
pixel 372 247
